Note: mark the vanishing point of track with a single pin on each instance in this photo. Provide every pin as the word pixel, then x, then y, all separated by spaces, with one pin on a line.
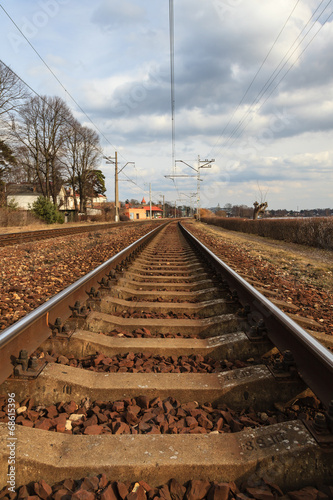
pixel 173 341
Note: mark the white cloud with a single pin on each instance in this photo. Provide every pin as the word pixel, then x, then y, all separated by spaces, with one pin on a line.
pixel 112 14
pixel 113 57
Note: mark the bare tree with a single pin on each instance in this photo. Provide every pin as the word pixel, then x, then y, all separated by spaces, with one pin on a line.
pixel 7 163
pixel 259 209
pixel 12 91
pixel 88 161
pixel 40 131
pixel 72 143
pixel 81 161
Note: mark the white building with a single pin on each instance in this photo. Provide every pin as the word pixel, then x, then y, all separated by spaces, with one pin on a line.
pixel 22 194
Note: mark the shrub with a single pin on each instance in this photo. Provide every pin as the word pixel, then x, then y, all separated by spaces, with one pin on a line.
pixel 45 210
pixel 12 205
pixel 315 232
pixel 124 218
pixel 9 218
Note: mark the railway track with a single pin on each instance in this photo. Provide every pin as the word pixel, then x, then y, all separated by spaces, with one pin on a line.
pixel 7 239
pixel 161 364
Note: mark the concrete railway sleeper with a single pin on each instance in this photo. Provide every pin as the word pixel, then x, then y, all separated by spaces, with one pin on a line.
pixel 168 370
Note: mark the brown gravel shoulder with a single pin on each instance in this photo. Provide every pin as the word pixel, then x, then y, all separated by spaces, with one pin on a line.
pixel 305 262
pixel 41 226
pixel 31 273
pixel 299 275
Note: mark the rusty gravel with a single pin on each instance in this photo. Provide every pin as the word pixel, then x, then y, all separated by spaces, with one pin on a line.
pixel 90 488
pixel 313 302
pixel 31 273
pixel 142 415
pixel 143 363
pixel 145 333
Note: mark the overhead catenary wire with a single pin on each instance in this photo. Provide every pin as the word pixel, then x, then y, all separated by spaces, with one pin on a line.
pixel 284 75
pixel 255 76
pixel 172 82
pixel 58 80
pixel 274 76
pixel 64 117
pixel 300 55
pixel 47 103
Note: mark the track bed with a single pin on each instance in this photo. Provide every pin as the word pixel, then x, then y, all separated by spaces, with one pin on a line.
pixel 163 374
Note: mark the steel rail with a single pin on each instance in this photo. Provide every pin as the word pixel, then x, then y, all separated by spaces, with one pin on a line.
pixel 7 239
pixel 314 362
pixel 29 332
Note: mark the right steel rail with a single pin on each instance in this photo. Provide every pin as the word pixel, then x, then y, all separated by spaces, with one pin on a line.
pixel 314 362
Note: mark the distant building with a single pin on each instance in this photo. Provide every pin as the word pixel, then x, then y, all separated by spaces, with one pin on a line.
pixel 66 202
pixel 24 194
pixel 142 211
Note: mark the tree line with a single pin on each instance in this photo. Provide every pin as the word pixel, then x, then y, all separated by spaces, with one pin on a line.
pixel 42 143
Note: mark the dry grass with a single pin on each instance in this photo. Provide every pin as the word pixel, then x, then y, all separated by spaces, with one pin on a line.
pixel 313 266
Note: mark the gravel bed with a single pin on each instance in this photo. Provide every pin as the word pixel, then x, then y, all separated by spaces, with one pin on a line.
pixel 289 283
pixel 31 273
pixel 145 333
pixel 142 415
pixel 143 363
pixel 173 300
pixel 90 488
pixel 154 315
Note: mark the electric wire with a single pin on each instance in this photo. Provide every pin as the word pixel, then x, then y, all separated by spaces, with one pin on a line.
pixel 266 87
pixel 300 55
pixel 172 82
pixel 274 75
pixel 255 76
pixel 58 80
pixel 64 117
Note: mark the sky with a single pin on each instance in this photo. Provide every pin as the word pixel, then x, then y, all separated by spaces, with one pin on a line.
pixel 252 86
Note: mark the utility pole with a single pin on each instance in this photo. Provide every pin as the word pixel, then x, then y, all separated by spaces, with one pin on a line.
pixel 163 208
pixel 114 161
pixel 150 210
pixel 198 190
pixel 206 164
pixel 116 190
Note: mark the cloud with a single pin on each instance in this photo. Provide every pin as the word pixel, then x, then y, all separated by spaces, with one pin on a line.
pixel 112 14
pixel 113 57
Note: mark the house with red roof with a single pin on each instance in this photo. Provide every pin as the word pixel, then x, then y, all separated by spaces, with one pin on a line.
pixel 142 211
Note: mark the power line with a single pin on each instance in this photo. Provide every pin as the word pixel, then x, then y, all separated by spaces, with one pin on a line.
pixel 42 98
pixel 57 79
pixel 172 78
pixel 300 55
pixel 274 75
pixel 255 76
pixel 63 117
pixel 271 81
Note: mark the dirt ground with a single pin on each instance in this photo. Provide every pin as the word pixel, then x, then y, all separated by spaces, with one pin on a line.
pixel 41 225
pixel 310 265
pixel 298 279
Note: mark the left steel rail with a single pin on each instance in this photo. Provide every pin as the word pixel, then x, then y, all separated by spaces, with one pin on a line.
pixel 33 329
pixel 7 239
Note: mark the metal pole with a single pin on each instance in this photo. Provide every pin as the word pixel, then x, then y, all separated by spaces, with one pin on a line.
pixel 150 211
pixel 116 188
pixel 163 208
pixel 198 190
